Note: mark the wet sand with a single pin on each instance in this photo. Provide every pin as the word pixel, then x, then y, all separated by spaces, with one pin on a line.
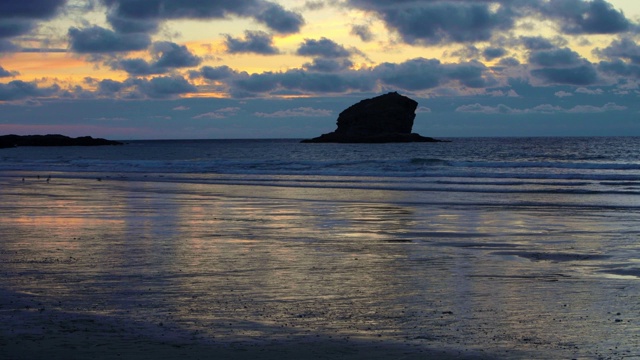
pixel 133 269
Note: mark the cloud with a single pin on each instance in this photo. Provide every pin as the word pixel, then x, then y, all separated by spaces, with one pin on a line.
pixel 109 87
pixel 582 90
pixel 586 17
pixel 459 21
pixel 162 87
pixel 19 90
pixel 624 48
pixel 297 112
pixel 96 39
pixel 258 42
pixel 166 56
pixel 363 32
pixel 7 73
pixel 540 109
pixel 422 74
pixel 465 21
pixel 218 114
pixel 477 108
pixel 562 66
pixel 492 53
pixel 324 47
pixel 280 20
pixel 181 108
pixel 562 94
pixel 172 55
pixel 509 62
pixel 620 68
pixel 128 16
pixel 536 43
pixel 584 74
pixel 216 73
pixel 20 17
pixel 8 46
pixel 336 76
pixel 555 57
pixel 595 109
pixel 328 65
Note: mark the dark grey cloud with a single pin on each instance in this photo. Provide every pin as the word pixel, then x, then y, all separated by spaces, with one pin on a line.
pixel 96 39
pixel 216 73
pixel 469 74
pixel 7 73
pixel 280 20
pixel 624 48
pixel 162 87
pixel 423 74
pixel 417 74
pixel 363 32
pixel 620 68
pixel 136 67
pixel 324 47
pixel 300 81
pixel 8 46
pixel 536 43
pixel 20 17
pixel 328 65
pixel 257 83
pixel 585 74
pixel 31 9
pixel 555 57
pixel 145 15
pixel 412 75
pixel 492 53
pixel 435 22
pixel 586 17
pixel 171 55
pixel 109 87
pixel 257 42
pixel 15 27
pixel 166 57
pixel 19 90
pixel 427 22
pixel 509 62
pixel 128 25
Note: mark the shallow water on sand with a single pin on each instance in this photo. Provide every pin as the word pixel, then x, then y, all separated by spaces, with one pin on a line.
pixel 253 262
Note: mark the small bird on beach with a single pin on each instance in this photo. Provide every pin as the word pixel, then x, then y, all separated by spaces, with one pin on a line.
pixel 49 178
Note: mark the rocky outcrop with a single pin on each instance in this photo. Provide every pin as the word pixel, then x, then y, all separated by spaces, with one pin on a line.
pixel 382 119
pixel 9 141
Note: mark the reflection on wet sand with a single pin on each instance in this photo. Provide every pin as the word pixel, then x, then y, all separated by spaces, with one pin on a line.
pixel 230 262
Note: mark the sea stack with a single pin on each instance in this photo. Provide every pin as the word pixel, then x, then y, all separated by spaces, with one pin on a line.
pixel 382 119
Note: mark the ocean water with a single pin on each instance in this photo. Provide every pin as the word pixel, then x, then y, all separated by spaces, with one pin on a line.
pixel 511 247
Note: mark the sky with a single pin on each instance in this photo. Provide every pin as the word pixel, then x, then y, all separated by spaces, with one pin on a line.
pixel 206 69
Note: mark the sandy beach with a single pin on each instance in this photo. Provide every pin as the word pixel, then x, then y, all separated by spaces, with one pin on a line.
pixel 120 269
pixel 33 329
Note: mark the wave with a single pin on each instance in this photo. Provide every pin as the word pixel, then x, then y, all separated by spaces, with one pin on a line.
pixel 611 174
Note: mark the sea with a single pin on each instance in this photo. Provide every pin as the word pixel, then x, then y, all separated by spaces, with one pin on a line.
pixel 498 247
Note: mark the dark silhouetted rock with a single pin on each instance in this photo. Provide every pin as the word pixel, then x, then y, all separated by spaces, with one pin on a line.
pixel 382 119
pixel 9 141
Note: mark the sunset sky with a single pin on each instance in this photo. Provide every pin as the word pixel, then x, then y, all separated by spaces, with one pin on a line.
pixel 161 69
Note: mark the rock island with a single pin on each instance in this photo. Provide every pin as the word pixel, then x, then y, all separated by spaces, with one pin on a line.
pixel 382 119
pixel 10 141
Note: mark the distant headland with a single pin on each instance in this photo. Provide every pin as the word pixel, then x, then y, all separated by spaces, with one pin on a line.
pixel 383 119
pixel 11 141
